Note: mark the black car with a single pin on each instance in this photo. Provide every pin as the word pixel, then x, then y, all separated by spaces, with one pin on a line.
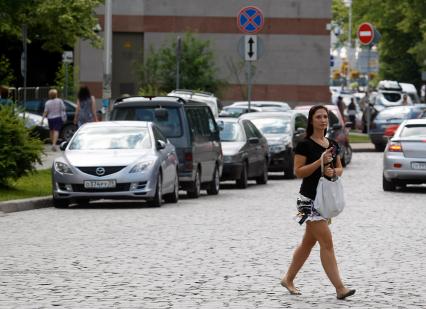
pixel 245 152
pixel 191 128
pixel 283 130
pixel 68 129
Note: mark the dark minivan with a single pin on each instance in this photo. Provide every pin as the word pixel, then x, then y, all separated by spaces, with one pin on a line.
pixel 191 128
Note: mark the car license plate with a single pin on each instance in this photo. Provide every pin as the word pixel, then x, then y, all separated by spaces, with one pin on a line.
pixel 418 165
pixel 99 184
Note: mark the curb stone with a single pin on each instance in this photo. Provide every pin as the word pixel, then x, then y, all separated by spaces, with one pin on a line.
pixel 26 204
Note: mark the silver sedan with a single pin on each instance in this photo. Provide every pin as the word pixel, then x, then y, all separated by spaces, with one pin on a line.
pixel 116 160
pixel 404 160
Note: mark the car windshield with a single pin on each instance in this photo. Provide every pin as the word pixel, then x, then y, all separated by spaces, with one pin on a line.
pixel 100 138
pixel 417 130
pixel 171 127
pixel 272 125
pixel 392 96
pixel 231 132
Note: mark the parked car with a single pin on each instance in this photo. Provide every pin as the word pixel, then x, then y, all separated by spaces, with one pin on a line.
pixel 68 129
pixel 191 127
pixel 338 130
pixel 205 97
pixel 411 91
pixel 33 123
pixel 279 106
pixel 116 160
pixel 237 111
pixel 404 159
pixel 389 94
pixel 283 131
pixel 245 152
pixel 388 120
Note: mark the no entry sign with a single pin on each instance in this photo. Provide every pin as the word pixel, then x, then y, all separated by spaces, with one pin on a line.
pixel 366 33
pixel 250 20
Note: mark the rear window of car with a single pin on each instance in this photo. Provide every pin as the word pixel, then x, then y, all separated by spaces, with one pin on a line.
pixel 231 132
pixel 171 127
pixel 400 112
pixel 392 97
pixel 414 131
pixel 272 125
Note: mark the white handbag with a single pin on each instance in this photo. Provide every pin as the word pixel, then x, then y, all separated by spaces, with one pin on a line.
pixel 329 201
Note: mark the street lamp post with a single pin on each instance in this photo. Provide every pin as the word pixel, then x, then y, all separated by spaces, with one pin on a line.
pixel 348 3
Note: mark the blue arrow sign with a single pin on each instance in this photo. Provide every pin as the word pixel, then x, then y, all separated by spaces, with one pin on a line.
pixel 250 20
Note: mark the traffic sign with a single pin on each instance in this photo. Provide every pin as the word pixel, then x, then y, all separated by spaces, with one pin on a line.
pixel 365 33
pixel 250 20
pixel 67 57
pixel 250 43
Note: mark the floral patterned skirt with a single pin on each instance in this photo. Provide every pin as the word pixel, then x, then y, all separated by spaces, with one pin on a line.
pixel 307 211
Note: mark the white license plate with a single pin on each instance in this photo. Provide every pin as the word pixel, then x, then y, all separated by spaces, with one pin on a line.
pixel 99 184
pixel 418 165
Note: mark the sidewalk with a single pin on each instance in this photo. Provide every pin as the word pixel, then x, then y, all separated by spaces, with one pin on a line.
pixel 363 147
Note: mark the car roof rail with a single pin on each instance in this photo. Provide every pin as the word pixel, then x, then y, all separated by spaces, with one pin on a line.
pixel 149 98
pixel 192 92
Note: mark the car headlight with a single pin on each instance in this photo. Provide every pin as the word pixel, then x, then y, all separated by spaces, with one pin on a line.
pixel 277 147
pixel 141 166
pixel 63 168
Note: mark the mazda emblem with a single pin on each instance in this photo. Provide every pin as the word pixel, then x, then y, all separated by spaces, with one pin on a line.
pixel 100 171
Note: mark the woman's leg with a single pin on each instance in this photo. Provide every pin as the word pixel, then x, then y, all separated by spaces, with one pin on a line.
pixel 300 255
pixel 322 233
pixel 55 135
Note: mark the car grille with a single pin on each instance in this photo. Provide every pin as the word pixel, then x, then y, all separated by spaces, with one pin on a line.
pixel 91 170
pixel 121 187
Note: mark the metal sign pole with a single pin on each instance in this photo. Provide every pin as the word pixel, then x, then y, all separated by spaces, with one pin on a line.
pixel 249 85
pixel 368 91
pixel 178 52
pixel 24 61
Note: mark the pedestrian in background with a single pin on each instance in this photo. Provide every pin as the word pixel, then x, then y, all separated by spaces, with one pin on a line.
pixel 341 105
pixel 86 107
pixel 54 109
pixel 405 100
pixel 352 113
pixel 423 93
pixel 307 165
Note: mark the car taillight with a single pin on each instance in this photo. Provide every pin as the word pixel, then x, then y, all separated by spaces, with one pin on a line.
pixel 390 131
pixel 188 156
pixel 395 147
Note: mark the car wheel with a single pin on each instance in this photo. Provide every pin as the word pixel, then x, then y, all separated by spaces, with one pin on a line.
pixel 194 192
pixel 379 147
pixel 388 185
pixel 157 200
pixel 68 131
pixel 174 196
pixel 60 203
pixel 242 182
pixel 263 178
pixel 213 188
pixel 289 171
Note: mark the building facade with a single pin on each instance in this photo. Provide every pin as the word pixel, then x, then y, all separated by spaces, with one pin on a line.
pixel 293 67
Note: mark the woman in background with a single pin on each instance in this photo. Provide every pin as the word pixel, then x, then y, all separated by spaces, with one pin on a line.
pixel 86 107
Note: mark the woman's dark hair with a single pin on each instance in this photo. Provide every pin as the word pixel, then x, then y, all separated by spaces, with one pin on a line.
pixel 84 93
pixel 312 111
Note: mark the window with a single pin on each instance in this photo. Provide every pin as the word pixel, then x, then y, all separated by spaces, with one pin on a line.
pixel 332 119
pixel 301 122
pixel 158 136
pixel 249 131
pixel 199 121
pixel 414 131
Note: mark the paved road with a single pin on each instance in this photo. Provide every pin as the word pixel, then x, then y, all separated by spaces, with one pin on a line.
pixel 216 252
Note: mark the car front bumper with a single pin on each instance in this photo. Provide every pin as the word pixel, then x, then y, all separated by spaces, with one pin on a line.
pixel 128 186
pixel 231 171
pixel 279 161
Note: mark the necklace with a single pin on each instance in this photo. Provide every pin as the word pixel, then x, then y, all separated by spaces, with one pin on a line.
pixel 323 142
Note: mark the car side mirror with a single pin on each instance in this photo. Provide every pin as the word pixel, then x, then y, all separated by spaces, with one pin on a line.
pixel 63 145
pixel 254 140
pixel 336 126
pixel 300 131
pixel 348 124
pixel 160 145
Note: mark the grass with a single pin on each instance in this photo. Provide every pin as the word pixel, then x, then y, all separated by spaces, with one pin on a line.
pixel 34 185
pixel 358 138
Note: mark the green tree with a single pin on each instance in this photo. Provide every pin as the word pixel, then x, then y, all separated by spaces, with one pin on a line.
pixel 197 68
pixel 65 77
pixel 56 23
pixel 402 25
pixel 18 150
pixel 6 74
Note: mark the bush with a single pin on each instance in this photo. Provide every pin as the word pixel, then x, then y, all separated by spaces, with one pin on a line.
pixel 18 150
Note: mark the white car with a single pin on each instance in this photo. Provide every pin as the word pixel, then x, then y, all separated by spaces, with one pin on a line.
pixel 404 159
pixel 204 97
pixel 277 105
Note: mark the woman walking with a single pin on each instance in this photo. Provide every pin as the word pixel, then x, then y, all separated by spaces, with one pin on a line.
pixel 86 107
pixel 53 110
pixel 307 165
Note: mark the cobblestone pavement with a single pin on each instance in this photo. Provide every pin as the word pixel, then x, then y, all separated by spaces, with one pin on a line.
pixel 217 252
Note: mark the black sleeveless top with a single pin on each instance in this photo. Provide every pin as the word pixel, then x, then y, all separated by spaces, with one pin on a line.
pixel 313 151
